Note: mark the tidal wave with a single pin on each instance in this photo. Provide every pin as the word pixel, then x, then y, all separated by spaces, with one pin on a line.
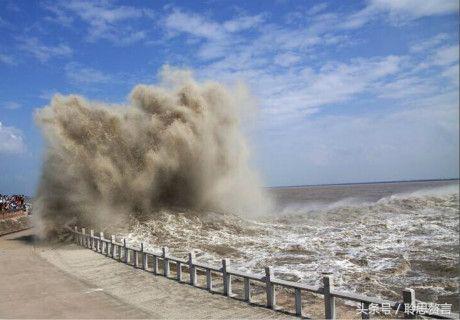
pixel 175 146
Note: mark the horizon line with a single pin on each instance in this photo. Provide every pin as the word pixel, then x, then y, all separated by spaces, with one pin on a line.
pixel 335 184
pixel 361 182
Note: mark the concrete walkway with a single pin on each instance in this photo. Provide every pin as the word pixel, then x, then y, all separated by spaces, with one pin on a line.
pixel 66 281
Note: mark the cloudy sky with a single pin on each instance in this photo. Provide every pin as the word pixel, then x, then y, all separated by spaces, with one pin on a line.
pixel 348 91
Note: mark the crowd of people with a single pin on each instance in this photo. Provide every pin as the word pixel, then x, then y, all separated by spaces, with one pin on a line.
pixel 12 203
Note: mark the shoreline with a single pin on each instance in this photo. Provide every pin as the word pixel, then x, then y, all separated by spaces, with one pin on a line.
pixel 77 283
pixel 19 221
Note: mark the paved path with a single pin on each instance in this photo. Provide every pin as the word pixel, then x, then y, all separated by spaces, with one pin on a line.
pixel 66 281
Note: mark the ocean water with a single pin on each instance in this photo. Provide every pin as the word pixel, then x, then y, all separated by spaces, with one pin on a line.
pixel 376 239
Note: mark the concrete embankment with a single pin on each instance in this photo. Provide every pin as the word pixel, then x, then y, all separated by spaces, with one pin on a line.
pixel 14 221
pixel 42 280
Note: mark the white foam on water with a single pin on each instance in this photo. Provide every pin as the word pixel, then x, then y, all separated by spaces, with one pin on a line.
pixel 408 239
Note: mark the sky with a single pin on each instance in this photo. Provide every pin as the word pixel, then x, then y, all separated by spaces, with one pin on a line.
pixel 347 91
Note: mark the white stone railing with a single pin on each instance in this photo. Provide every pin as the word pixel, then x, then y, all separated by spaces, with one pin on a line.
pixel 139 257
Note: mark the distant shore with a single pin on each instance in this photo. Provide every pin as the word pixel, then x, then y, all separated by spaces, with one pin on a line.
pixel 362 183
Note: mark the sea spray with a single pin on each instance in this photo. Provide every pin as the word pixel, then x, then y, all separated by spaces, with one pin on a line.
pixel 177 146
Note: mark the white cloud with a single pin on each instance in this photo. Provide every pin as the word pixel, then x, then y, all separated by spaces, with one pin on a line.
pixel 48 94
pixel 411 143
pixel 81 74
pixel 428 44
pixel 104 20
pixel 242 23
pixel 358 19
pixel 317 8
pixel 43 52
pixel 416 8
pixel 446 55
pixel 12 105
pixel 7 59
pixel 399 11
pixel 286 59
pixel 452 73
pixel 11 140
pixel 301 91
pixel 58 16
pixel 194 24
pixel 405 87
pixel 199 26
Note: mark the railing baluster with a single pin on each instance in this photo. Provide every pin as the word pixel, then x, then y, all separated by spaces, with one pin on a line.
pixel 76 234
pixel 227 279
pixel 298 302
pixel 125 252
pixel 155 265
pixel 108 247
pixel 270 288
pixel 83 242
pixel 365 310
pixel 146 261
pixel 179 271
pixel 144 257
pixel 112 246
pixel 208 280
pixel 136 258
pixel 409 303
pixel 192 269
pixel 165 262
pixel 101 234
pixel 92 239
pixel 247 290
pixel 329 300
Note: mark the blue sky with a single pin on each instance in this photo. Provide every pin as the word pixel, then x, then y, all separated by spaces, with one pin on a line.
pixel 347 91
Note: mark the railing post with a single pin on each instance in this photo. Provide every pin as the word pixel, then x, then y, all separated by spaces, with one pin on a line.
pixel 119 253
pixel 365 310
pixel 112 246
pixel 165 262
pixel 77 239
pixel 108 247
pixel 227 279
pixel 270 287
pixel 179 271
pixel 191 268
pixel 125 252
pixel 247 289
pixel 298 302
pixel 83 231
pixel 136 258
pixel 91 241
pixel 409 303
pixel 329 300
pixel 101 234
pixel 144 257
pixel 208 280
pixel 155 265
